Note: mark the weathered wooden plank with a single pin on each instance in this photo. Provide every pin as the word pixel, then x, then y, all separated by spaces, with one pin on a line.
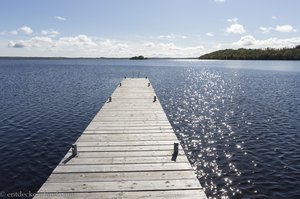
pixel 113 128
pixel 124 160
pixel 159 185
pixel 99 129
pixel 130 111
pixel 145 127
pixel 126 120
pixel 128 108
pixel 125 154
pixel 169 194
pixel 127 137
pixel 137 135
pixel 135 103
pixel 126 167
pixel 129 124
pixel 125 131
pixel 120 176
pixel 126 148
pixel 132 117
pixel 125 143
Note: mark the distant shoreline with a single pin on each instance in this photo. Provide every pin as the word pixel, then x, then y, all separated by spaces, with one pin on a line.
pixel 212 56
pixel 288 54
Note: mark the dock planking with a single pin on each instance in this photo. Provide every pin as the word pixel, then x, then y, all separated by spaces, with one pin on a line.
pixel 125 152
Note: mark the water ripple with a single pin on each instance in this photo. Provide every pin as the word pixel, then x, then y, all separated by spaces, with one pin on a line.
pixel 235 130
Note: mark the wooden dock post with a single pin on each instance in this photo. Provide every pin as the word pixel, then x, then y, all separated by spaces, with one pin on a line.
pixel 175 152
pixel 125 152
pixel 74 150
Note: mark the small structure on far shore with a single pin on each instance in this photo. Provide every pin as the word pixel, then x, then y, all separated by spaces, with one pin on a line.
pixel 138 58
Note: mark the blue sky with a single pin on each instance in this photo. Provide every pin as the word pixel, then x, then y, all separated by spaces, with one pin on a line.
pixel 154 28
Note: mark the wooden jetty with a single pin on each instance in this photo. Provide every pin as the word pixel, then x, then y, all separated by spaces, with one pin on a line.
pixel 125 152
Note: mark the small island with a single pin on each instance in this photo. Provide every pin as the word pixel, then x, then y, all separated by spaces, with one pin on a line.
pixel 138 58
pixel 255 54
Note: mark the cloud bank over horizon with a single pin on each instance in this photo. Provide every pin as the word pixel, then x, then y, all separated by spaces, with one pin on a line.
pixel 86 46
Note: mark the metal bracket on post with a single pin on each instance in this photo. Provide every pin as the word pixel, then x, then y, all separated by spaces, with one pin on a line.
pixel 146 77
pixel 74 150
pixel 109 99
pixel 154 100
pixel 149 84
pixel 120 84
pixel 175 152
pixel 124 77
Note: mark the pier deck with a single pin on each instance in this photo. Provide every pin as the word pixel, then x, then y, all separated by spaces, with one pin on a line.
pixel 125 152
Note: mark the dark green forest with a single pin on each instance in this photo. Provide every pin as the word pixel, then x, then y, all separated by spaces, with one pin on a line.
pixel 255 54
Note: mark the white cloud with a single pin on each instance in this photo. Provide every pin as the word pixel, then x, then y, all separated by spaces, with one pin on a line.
pixel 247 40
pixel 285 28
pixel 172 49
pixel 220 1
pixel 60 18
pixel 210 34
pixel 149 44
pixel 168 46
pixel 113 45
pixel 278 28
pixel 26 30
pixel 274 17
pixel 12 32
pixel 250 40
pixel 40 42
pixel 265 30
pixel 166 49
pixel 19 44
pixel 113 48
pixel 233 20
pixel 50 33
pixel 172 37
pixel 33 42
pixel 236 29
pixel 79 41
pixel 218 46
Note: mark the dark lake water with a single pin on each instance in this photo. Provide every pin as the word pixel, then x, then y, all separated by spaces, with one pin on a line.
pixel 238 121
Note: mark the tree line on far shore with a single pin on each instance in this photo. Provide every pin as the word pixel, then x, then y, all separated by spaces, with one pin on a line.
pixel 255 54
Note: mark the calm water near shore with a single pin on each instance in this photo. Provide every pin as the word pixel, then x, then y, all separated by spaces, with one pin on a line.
pixel 238 121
